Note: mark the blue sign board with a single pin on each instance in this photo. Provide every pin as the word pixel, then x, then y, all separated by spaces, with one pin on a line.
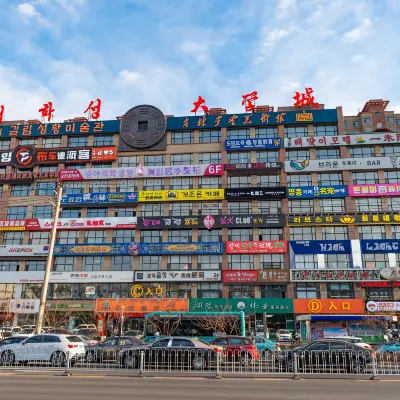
pixel 100 198
pixel 311 192
pixel 136 248
pixel 380 246
pixel 250 143
pixel 320 246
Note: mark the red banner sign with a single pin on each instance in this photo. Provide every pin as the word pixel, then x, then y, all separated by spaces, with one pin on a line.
pixel 240 276
pixel 256 247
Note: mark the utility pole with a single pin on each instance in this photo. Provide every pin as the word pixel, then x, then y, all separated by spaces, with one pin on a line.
pixel 49 260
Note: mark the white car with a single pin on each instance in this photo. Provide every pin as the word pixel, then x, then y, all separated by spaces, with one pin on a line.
pixel 84 326
pixel 45 348
pixel 283 335
pixel 353 339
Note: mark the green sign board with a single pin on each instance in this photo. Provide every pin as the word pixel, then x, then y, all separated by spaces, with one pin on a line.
pixel 249 306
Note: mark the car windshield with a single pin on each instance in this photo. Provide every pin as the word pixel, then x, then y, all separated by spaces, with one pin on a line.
pixel 283 331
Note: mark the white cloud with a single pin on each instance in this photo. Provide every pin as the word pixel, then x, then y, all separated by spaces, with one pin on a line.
pixel 357 57
pixel 358 33
pixel 274 36
pixel 198 50
pixel 29 12
pixel 128 76
pixel 286 7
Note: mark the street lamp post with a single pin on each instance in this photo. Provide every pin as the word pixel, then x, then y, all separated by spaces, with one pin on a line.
pixel 122 321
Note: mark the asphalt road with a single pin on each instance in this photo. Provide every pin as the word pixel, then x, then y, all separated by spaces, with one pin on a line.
pixel 49 387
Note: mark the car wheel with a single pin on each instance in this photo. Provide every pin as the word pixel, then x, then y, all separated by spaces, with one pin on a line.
pixel 130 361
pixel 246 359
pixel 199 363
pixel 58 359
pixel 356 366
pixel 91 357
pixel 8 358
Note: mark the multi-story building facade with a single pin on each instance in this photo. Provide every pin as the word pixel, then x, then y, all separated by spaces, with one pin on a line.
pixel 267 205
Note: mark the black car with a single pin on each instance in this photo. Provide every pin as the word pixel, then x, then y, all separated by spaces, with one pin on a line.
pixel 326 354
pixel 13 340
pixel 171 352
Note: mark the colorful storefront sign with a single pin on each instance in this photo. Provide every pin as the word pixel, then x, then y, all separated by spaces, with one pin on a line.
pixel 343 219
pixel 27 177
pixel 256 193
pixel 256 247
pixel 92 277
pixel 328 306
pixel 143 305
pixel 135 248
pixel 335 275
pixel 100 198
pixel 382 306
pixel 253 168
pixel 374 190
pixel 320 246
pixel 24 250
pixel 13 225
pixel 311 192
pixel 273 275
pixel 24 306
pixel 142 172
pixel 368 139
pixel 212 221
pixel 178 276
pixel 343 164
pixel 42 224
pixel 180 195
pixel 380 246
pixel 380 284
pixel 240 276
pixel 251 144
pixel 247 305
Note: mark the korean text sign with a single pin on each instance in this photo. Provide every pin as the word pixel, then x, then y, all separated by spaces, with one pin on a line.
pixel 336 275
pixel 328 306
pixel 180 195
pixel 320 246
pixel 249 143
pixel 311 192
pixel 240 276
pixel 177 276
pixel 343 219
pixel 100 198
pixel 141 305
pixel 256 247
pixel 374 190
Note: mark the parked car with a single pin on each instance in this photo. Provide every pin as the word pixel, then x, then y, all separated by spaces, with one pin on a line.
pixel 13 340
pixel 265 346
pixel 44 348
pixel 8 331
pixel 85 326
pixel 391 350
pixel 87 332
pixel 88 341
pixel 134 332
pixel 353 339
pixel 172 351
pixel 238 348
pixel 109 349
pixel 23 327
pixel 32 331
pixel 151 339
pixel 59 331
pixel 326 353
pixel 283 335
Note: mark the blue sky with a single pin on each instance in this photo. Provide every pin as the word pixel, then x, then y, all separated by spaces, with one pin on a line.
pixel 167 52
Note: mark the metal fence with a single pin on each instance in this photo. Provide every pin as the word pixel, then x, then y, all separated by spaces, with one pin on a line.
pixel 205 361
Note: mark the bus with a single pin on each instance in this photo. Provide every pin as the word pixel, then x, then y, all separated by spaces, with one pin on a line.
pixel 203 325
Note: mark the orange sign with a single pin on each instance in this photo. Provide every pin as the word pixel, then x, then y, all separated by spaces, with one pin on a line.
pixel 143 306
pixel 328 306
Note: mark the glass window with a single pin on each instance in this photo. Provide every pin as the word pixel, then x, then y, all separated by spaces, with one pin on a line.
pixel 367 120
pixel 325 130
pixel 104 164
pixel 389 119
pixel 268 180
pixel 64 264
pixel 335 233
pixel 67 237
pixel 371 232
pixel 299 233
pixel 271 261
pixel 179 262
pixel 239 181
pixel 331 205
pixel 307 291
pixel 73 187
pixel 395 231
pixel 215 235
pixel 13 237
pixel 92 263
pixel 306 261
pixel 237 133
pixel 184 235
pixel 299 180
pixel 365 177
pixel 238 157
pixel 301 206
pixel 327 153
pixel 369 204
pixel 70 213
pixel 17 212
pixel 207 208
pixel 209 158
pixel 153 184
pixel 267 156
pixel 5 144
pixel 7 291
pixel 152 210
pixel 32 265
pixel 123 235
pixel 51 143
pixel 209 290
pixel 330 179
pixel 127 185
pixel 180 209
pixel 75 166
pixel 179 290
pixel 262 133
pixel 39 237
pixel 48 168
pixel 296 131
pixel 31 291
pixel 119 290
pixel 210 182
pixel 391 176
pixel 269 206
pixel 355 123
pixel 150 263
pixel 273 291
pixel 103 140
pixel 45 188
pixel 212 136
pixel 209 262
pixel 95 236
pixel 181 137
pixel 241 291
pixel 97 212
pixel 121 263
pixel 128 161
pixel 181 159
pixel 362 151
pixel 150 236
pixel 181 183
pixel 27 142
pixel 338 261
pixel 375 260
pixel 77 141
pixel 42 212
pixel 240 234
pixel 156 160
pixel 388 151
pixel 21 190
pixel 239 207
pixel 240 261
pixel 270 234
pixel 379 293
pixel 125 211
pixel 60 291
pixel 99 186
pixel 9 266
pixel 298 154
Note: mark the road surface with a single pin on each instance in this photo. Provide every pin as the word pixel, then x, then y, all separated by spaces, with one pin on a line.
pixel 24 385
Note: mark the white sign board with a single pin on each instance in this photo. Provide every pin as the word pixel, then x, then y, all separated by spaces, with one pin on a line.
pixel 382 306
pixel 24 250
pixel 85 223
pixel 177 276
pixel 92 277
pixel 24 306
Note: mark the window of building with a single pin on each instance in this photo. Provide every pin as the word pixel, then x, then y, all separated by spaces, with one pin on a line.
pixel 181 159
pixel 340 291
pixel 240 234
pixel 269 207
pixel 179 290
pixel 210 158
pixel 5 144
pixel 9 266
pixel 104 164
pixel 31 291
pixel 73 187
pixel 263 133
pixel 240 261
pixel 299 180
pixel 75 166
pixel 238 133
pixel 127 185
pixel 331 205
pixel 209 291
pixel 121 263
pixel 371 232
pixel 241 291
pixel 215 235
pixel 307 291
pixel 67 237
pixel 184 235
pixel 301 206
pixel 13 237
pixel 270 234
pixel 77 141
pixel 39 237
pixel 238 157
pixel 298 154
pixel 179 262
pixel 60 291
pixel 325 130
pixel 335 233
pixel 369 204
pixel 150 263
pixel 338 261
pixel 17 212
pixel 239 207
pixel 27 142
pixel 330 179
pixel 209 262
pixel 48 168
pixel 239 181
pixel 327 153
pixel 7 291
pixel 207 208
pixel 355 123
pixel 210 182
pixel 125 211
pixel 119 290
pixel 95 236
pixel 379 293
pixel 211 136
pixel 182 137
pixel 71 213
pixel 389 119
pixel 65 264
pixel 273 291
pixel 367 120
pixel 128 161
pixel 180 209
pixel 92 263
pixel 153 161
pixel 271 261
pixel 42 212
pixel 365 177
pixel 153 184
pixel 181 183
pixel 296 131
pixel 51 143
pixel 362 151
pixel 21 190
pixel 103 140
pixel 123 235
pixel 395 231
pixel 391 176
pixel 99 186
pixel 150 236
pixel 267 156
pixel 299 233
pixel 152 210
pixel 97 212
pixel 33 265
pixel 45 188
pixel 306 261
pixel 268 180
pixel 375 260
pixel 388 151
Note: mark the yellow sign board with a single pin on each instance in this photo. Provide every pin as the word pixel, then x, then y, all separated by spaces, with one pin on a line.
pixel 180 195
pixel 138 291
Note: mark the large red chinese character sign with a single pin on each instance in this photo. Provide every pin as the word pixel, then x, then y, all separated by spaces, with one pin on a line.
pixel 94 109
pixel 1 113
pixel 200 103
pixel 305 99
pixel 248 100
pixel 47 110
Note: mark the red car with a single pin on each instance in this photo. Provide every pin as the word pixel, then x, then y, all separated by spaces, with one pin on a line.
pixel 238 348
